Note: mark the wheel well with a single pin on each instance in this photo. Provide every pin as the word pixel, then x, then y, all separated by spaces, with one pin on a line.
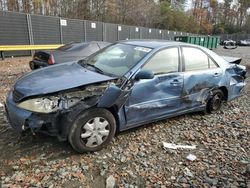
pixel 114 112
pixel 225 92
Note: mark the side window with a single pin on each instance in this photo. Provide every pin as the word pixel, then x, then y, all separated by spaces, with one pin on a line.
pixel 165 61
pixel 212 65
pixel 195 59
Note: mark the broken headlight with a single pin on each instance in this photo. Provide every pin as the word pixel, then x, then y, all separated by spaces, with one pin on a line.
pixel 41 105
pixel 61 101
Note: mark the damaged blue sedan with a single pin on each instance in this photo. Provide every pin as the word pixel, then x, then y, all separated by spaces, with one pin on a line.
pixel 125 85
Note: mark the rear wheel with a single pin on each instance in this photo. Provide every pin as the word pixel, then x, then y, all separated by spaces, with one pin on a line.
pixel 92 130
pixel 215 103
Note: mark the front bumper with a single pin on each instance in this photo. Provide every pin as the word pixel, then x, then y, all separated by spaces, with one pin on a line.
pixel 22 120
pixel 54 124
pixel 17 117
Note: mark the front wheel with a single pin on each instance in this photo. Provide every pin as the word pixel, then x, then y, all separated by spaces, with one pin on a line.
pixel 215 103
pixel 92 130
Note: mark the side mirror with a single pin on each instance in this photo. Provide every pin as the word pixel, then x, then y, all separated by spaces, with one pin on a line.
pixel 144 74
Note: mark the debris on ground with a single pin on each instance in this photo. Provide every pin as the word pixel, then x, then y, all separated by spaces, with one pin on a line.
pixel 191 157
pixel 110 182
pixel 174 146
pixel 187 172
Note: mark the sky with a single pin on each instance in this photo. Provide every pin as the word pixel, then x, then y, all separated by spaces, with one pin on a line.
pixel 189 3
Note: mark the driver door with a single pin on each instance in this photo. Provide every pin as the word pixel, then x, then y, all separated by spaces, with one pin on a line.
pixel 158 97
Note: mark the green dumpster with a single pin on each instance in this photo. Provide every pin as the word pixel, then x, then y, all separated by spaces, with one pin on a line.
pixel 210 42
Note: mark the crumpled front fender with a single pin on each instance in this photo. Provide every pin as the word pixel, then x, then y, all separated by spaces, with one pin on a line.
pixel 113 96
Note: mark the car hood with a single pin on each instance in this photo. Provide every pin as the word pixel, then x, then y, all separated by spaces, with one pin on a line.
pixel 56 78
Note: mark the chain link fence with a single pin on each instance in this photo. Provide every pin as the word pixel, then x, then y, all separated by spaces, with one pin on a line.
pixel 20 28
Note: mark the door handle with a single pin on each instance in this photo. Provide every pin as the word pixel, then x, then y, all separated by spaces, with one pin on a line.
pixel 175 82
pixel 216 74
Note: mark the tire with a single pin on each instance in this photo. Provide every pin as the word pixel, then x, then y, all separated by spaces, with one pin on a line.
pixel 92 130
pixel 32 66
pixel 215 103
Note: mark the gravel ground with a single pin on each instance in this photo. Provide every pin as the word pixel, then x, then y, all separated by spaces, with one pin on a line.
pixel 136 158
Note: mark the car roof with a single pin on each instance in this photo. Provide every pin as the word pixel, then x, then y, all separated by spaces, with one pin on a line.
pixel 152 43
pixel 99 42
pixel 87 42
pixel 157 44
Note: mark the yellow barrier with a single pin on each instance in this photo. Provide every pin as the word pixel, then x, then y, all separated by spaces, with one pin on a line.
pixel 27 47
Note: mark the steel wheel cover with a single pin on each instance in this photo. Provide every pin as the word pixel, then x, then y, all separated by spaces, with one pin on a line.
pixel 95 131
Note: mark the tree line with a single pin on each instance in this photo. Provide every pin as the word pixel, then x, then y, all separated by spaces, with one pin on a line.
pixel 194 16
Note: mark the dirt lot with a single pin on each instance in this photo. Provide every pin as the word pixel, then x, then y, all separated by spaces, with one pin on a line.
pixel 135 158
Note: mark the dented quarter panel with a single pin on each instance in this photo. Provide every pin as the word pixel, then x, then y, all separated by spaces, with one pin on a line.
pixel 198 86
pixel 235 75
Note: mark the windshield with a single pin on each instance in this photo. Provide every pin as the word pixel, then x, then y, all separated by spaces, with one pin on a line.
pixel 117 59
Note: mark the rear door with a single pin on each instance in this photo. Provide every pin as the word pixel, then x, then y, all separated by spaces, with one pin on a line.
pixel 155 98
pixel 201 75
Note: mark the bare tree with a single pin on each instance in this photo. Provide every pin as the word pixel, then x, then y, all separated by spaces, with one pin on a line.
pixel 13 5
pixel 26 6
pixel 205 16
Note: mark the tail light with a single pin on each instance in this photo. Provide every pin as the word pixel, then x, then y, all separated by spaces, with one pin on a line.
pixel 51 60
